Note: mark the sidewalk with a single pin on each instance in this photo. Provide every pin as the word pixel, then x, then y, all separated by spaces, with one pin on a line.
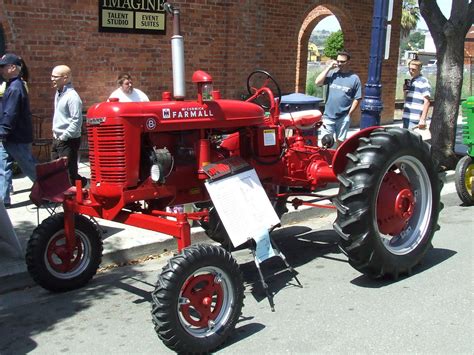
pixel 122 243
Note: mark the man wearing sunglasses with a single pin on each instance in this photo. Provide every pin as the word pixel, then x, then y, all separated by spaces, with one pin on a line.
pixel 67 121
pixel 343 96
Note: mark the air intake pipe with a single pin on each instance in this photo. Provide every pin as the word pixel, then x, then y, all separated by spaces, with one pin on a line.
pixel 177 54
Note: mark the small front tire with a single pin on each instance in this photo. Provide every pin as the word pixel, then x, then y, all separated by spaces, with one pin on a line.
pixel 198 299
pixel 46 254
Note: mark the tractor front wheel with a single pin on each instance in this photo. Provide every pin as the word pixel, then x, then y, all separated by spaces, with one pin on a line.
pixel 464 180
pixel 49 262
pixel 198 299
pixel 388 203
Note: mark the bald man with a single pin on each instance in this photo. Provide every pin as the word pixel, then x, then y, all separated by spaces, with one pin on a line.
pixel 67 121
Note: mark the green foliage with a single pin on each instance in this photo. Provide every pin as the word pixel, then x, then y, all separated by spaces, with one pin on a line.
pixel 311 87
pixel 414 41
pixel 319 37
pixel 410 17
pixel 334 44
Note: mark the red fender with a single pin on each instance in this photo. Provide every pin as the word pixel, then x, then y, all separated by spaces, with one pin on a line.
pixel 339 160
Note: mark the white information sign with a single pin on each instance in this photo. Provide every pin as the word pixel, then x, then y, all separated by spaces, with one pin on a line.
pixel 243 206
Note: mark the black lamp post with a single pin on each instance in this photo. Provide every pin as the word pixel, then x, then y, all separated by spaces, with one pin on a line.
pixel 372 105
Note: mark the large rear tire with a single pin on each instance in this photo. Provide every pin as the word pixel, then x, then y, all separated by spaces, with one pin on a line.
pixel 388 203
pixel 198 299
pixel 464 179
pixel 216 231
pixel 47 260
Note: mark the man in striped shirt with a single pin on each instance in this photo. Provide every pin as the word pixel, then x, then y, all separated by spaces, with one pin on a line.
pixel 417 97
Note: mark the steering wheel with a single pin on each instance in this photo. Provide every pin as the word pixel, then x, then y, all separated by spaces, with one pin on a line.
pixel 259 83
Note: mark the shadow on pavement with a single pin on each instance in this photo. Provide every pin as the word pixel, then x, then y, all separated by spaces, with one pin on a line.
pixel 26 313
pixel 432 258
pixel 300 245
pixel 242 332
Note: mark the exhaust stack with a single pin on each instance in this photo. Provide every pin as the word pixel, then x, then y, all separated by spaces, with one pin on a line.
pixel 177 54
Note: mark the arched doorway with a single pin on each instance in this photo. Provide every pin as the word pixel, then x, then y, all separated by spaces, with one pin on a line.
pixel 313 17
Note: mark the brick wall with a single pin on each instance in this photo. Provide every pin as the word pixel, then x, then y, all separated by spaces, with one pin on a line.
pixel 228 39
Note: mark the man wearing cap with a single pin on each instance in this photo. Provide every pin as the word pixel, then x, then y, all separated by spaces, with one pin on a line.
pixel 16 128
pixel 67 121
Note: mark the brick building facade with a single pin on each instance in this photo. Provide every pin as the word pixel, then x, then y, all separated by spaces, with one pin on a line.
pixel 227 38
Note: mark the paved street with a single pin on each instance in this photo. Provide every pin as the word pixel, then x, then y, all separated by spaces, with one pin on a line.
pixel 338 310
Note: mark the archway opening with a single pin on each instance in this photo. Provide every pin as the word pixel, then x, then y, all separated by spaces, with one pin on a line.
pixel 325 29
pixel 329 16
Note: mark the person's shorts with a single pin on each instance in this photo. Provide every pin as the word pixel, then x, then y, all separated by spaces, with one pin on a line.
pixel 338 127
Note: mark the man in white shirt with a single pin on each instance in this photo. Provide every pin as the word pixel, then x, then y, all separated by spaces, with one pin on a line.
pixel 126 92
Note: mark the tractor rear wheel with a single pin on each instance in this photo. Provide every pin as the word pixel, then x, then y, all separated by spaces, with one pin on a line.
pixel 464 179
pixel 48 261
pixel 198 299
pixel 388 203
pixel 216 231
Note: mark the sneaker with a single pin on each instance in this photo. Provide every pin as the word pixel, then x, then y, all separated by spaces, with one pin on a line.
pixel 7 205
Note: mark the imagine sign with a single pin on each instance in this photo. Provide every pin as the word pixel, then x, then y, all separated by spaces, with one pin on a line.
pixel 132 16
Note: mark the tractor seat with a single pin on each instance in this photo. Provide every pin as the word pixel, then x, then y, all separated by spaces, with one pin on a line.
pixel 307 119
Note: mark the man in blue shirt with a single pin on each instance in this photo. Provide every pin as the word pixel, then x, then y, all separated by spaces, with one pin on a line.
pixel 343 96
pixel 16 128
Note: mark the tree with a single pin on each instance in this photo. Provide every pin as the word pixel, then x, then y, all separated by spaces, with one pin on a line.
pixel 410 17
pixel 448 37
pixel 414 41
pixel 334 44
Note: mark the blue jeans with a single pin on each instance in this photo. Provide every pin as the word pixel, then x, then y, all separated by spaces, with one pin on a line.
pixel 21 153
pixel 6 175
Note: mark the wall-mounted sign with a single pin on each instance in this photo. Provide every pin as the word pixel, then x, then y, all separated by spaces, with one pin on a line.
pixel 132 16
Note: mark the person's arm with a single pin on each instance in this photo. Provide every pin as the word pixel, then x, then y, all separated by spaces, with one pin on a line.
pixel 424 113
pixel 322 76
pixel 75 120
pixel 357 96
pixel 354 106
pixel 11 108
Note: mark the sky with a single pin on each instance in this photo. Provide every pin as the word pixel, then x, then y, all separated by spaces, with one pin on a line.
pixel 331 24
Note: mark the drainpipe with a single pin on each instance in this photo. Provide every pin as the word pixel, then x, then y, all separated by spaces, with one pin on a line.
pixel 372 105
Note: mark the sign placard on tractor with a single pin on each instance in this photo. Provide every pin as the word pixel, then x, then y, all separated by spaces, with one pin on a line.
pixel 243 206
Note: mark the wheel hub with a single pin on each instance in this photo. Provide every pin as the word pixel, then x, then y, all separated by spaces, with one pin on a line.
pixel 469 179
pixel 395 204
pixel 59 257
pixel 204 297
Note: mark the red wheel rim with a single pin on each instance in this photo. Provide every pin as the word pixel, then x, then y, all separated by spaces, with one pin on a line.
pixel 395 204
pixel 204 296
pixel 58 256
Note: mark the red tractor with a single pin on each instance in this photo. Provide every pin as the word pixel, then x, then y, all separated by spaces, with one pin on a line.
pixel 145 157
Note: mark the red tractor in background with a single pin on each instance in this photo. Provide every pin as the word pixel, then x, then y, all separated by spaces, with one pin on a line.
pixel 145 157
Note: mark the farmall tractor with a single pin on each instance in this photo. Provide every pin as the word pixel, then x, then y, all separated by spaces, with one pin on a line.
pixel 147 156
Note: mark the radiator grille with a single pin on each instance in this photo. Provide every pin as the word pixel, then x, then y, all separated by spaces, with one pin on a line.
pixel 107 153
